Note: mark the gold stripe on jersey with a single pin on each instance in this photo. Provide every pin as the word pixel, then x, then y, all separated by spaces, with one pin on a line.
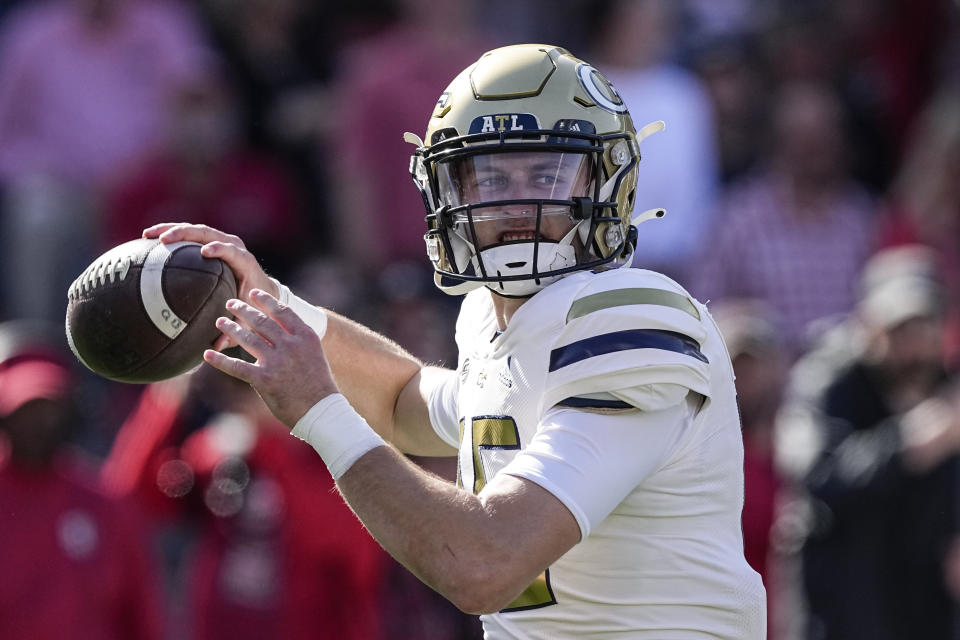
pixel 624 297
pixel 491 432
pixel 500 432
pixel 539 594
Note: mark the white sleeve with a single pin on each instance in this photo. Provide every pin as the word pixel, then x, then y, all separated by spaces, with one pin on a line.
pixel 592 461
pixel 442 407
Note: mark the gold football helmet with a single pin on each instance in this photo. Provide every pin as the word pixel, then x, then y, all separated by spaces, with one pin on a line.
pixel 528 172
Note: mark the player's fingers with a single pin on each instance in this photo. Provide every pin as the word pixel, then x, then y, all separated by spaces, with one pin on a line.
pixel 234 254
pixel 234 367
pixel 256 321
pixel 223 342
pixel 196 233
pixel 249 340
pixel 281 314
pixel 155 230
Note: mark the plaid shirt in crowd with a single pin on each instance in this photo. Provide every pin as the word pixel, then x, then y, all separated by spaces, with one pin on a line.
pixel 804 264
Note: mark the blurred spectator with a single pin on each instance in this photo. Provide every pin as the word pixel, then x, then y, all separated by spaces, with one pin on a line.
pixel 679 170
pixel 74 561
pixel 280 51
pixel 48 234
pixel 879 57
pixel 733 75
pixel 399 305
pixel 277 554
pixel 796 233
pixel 546 21
pixel 8 5
pixel 947 63
pixel 205 174
pixel 760 366
pixel 711 19
pixel 924 203
pixel 83 88
pixel 892 48
pixel 385 85
pixel 415 314
pixel 870 433
pixel 84 84
pixel 281 54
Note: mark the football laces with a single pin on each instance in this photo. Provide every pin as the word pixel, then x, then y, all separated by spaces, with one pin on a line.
pixel 98 274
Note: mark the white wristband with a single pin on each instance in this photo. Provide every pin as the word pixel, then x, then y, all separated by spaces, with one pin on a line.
pixel 314 316
pixel 337 432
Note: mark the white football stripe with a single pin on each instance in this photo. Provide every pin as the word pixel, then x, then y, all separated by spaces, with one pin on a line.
pixel 151 290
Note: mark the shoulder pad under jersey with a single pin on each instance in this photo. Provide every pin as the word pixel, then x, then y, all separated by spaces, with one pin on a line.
pixel 630 338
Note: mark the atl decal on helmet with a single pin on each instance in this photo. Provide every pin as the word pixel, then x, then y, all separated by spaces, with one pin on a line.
pixel 501 122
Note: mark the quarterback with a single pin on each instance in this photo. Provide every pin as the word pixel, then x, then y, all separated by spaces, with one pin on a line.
pixel 592 411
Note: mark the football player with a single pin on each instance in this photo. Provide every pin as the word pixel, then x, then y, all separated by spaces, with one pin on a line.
pixel 592 411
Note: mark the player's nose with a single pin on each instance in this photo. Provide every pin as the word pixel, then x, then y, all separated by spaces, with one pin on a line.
pixel 517 213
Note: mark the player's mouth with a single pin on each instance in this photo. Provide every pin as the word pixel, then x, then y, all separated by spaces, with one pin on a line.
pixel 517 236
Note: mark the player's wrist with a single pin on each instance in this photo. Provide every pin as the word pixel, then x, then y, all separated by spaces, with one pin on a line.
pixel 282 291
pixel 337 432
pixel 274 288
pixel 312 315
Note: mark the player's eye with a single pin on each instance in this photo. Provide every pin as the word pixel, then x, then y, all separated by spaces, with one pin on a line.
pixel 547 180
pixel 492 181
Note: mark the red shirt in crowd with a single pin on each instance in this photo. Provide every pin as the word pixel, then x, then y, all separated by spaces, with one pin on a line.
pixel 74 562
pixel 279 554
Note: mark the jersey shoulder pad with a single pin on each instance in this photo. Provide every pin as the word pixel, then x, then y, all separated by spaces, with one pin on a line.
pixel 630 338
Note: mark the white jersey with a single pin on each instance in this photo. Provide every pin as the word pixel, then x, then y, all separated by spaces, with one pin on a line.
pixel 588 393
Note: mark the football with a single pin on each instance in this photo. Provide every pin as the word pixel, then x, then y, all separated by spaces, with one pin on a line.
pixel 145 311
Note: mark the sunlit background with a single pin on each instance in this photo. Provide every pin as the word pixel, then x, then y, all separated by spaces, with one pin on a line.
pixel 803 138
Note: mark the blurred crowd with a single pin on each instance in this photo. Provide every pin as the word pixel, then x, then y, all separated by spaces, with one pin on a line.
pixel 811 173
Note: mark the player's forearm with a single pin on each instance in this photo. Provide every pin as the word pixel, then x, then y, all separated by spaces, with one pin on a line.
pixel 370 370
pixel 388 386
pixel 448 537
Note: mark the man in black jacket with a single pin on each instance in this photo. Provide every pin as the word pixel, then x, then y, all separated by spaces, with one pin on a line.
pixel 870 433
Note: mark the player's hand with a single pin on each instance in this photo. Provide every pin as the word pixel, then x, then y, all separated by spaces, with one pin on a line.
pixel 291 373
pixel 217 244
pixel 930 433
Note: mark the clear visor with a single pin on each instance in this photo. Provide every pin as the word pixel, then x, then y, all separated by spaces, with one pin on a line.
pixel 508 189
pixel 497 177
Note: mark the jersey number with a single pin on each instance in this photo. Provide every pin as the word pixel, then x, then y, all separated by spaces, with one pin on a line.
pixel 500 432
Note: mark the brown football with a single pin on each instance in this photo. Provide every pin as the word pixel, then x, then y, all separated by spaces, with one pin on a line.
pixel 145 311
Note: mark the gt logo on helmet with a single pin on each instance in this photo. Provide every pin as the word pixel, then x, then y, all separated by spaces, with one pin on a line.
pixel 600 89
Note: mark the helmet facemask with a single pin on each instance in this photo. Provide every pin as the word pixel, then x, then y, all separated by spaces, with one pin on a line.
pixel 515 214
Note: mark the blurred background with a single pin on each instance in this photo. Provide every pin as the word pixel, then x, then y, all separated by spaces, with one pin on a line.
pixel 811 173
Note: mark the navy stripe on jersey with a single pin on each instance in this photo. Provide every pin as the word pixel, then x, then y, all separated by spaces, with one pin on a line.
pixel 593 403
pixel 622 341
